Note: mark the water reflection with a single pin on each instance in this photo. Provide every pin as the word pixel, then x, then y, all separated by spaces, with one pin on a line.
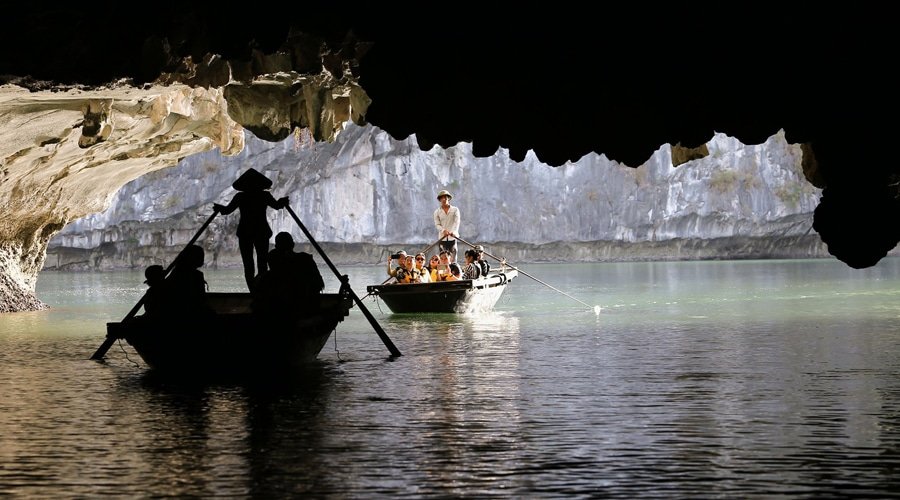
pixel 232 438
pixel 707 382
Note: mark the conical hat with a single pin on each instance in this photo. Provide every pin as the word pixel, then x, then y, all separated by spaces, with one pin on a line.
pixel 251 180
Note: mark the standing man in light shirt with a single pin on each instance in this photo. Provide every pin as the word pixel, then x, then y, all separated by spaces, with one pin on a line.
pixel 446 220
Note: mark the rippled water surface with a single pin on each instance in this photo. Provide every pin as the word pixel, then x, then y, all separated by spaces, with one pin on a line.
pixel 697 380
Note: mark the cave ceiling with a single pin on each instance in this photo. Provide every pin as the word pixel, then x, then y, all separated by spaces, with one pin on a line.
pixel 563 83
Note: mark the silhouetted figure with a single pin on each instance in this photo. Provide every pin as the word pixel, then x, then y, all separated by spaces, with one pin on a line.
pixel 253 230
pixel 292 284
pixel 186 287
pixel 300 266
pixel 154 299
pixel 273 289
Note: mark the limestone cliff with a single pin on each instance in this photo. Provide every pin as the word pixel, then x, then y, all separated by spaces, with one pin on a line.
pixel 366 192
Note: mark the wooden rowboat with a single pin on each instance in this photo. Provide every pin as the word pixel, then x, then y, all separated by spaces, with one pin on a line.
pixel 232 340
pixel 462 296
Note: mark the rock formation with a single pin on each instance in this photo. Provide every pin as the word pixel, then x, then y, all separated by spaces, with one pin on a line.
pixel 366 192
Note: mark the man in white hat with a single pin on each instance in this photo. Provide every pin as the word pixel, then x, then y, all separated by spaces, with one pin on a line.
pixel 446 220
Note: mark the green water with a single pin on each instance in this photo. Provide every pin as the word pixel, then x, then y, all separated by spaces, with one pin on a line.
pixel 697 379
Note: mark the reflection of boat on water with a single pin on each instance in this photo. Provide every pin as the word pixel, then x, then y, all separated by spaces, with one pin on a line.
pixel 461 296
pixel 232 339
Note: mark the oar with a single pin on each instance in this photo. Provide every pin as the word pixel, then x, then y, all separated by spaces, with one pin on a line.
pixel 346 285
pixel 111 339
pixel 420 251
pixel 596 309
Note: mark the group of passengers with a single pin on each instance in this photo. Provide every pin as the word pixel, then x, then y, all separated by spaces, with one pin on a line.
pixel 439 267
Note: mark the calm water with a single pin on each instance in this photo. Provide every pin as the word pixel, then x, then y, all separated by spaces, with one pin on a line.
pixel 697 380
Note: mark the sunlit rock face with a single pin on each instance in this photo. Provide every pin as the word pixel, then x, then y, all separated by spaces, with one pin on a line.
pixel 367 192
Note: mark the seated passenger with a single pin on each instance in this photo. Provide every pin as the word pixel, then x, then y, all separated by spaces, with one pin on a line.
pixel 299 265
pixel 444 266
pixel 392 272
pixel 185 288
pixel 471 270
pixel 412 275
pixel 433 271
pixel 154 298
pixel 274 292
pixel 485 265
pixel 455 273
pixel 424 272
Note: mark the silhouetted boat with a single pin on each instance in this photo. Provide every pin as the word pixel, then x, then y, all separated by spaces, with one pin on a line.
pixel 460 296
pixel 232 340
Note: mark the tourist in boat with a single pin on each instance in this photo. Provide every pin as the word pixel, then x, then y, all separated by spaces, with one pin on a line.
pixel 483 264
pixel 471 270
pixel 401 259
pixel 299 266
pixel 275 292
pixel 422 269
pixel 444 266
pixel 446 220
pixel 410 274
pixel 154 298
pixel 433 271
pixel 185 289
pixel 455 273
pixel 253 230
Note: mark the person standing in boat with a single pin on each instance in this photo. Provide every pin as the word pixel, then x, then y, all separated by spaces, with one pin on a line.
pixel 253 230
pixel 446 220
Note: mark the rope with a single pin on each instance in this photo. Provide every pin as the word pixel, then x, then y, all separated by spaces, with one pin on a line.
pixel 126 354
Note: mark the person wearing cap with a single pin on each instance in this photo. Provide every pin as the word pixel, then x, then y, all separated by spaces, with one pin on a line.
pixel 401 258
pixel 446 220
pixel 253 229
pixel 483 264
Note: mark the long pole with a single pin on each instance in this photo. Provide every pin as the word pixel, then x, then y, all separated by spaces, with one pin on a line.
pixel 596 309
pixel 345 285
pixel 111 339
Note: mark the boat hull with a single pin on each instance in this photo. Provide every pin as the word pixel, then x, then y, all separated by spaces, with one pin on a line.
pixel 233 340
pixel 463 296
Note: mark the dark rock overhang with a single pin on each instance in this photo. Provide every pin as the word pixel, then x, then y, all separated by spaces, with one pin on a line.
pixel 560 83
